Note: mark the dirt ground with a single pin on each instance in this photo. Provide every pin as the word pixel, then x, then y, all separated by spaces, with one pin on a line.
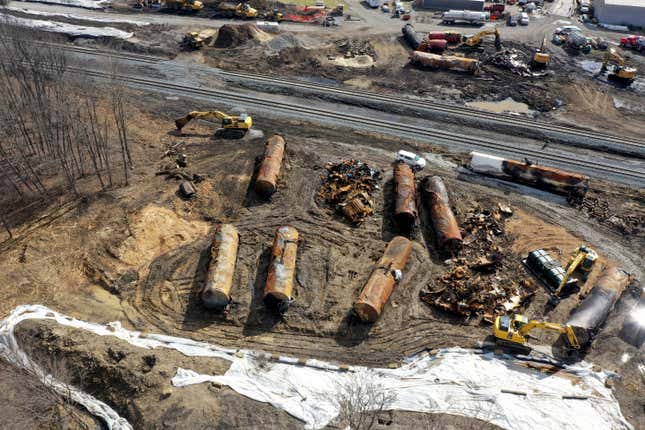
pixel 139 255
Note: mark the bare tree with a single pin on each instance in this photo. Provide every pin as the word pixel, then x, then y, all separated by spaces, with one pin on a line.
pixel 360 401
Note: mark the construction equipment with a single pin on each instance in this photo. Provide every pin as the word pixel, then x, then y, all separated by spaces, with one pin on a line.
pixel 275 15
pixel 476 40
pixel 541 58
pixel 186 5
pixel 232 126
pixel 197 40
pixel 620 71
pixel 514 331
pixel 232 10
pixel 583 259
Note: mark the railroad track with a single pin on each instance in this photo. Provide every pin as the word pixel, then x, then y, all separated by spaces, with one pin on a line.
pixel 389 127
pixel 443 108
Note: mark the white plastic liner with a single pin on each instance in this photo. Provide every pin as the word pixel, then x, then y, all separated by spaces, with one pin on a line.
pixel 79 17
pixel 61 27
pixel 87 4
pixel 454 381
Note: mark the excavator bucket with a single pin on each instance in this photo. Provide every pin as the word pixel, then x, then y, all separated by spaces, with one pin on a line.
pixel 181 122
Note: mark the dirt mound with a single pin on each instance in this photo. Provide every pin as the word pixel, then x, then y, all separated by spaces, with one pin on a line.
pixel 232 36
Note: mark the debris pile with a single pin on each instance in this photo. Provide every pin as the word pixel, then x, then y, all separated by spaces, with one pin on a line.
pixel 352 48
pixel 484 279
pixel 630 224
pixel 176 169
pixel 512 60
pixel 347 187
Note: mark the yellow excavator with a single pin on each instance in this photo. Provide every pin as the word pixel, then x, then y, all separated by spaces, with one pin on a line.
pixel 476 40
pixel 232 126
pixel 187 5
pixel 513 331
pixel 620 72
pixel 583 259
pixel 541 58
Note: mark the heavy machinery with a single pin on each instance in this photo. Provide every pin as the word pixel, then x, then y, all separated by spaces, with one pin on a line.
pixel 620 72
pixel 232 10
pixel 232 126
pixel 513 331
pixel 187 5
pixel 197 40
pixel 556 278
pixel 541 58
pixel 583 259
pixel 476 39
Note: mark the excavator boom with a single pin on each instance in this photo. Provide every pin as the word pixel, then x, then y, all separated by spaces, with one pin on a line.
pixel 236 124
pixel 477 38
pixel 515 330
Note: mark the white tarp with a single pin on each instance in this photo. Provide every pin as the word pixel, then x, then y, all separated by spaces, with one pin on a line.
pixel 78 17
pixel 454 381
pixel 61 27
pixel 87 4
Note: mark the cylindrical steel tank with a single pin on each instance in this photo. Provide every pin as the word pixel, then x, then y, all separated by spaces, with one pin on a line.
pixel 411 36
pixel 427 59
pixel 216 294
pixel 592 312
pixel 548 178
pixel 265 183
pixel 433 45
pixel 405 209
pixel 633 330
pixel 436 35
pixel 435 198
pixel 279 286
pixel 379 286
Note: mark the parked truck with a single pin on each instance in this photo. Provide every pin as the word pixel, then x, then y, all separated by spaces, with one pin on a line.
pixel 633 42
pixel 468 16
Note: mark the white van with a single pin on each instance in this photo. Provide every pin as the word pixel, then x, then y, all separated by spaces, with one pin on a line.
pixel 524 18
pixel 411 159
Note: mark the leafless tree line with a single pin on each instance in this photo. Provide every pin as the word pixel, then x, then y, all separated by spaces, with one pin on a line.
pixel 53 124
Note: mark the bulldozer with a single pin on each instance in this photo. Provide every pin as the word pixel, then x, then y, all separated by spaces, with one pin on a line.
pixel 541 58
pixel 186 5
pixel 513 331
pixel 476 40
pixel 620 72
pixel 234 127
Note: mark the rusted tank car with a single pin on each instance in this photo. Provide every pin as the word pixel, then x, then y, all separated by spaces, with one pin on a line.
pixel 433 45
pixel 405 208
pixel 548 178
pixel 449 36
pixel 411 36
pixel 592 312
pixel 444 223
pixel 216 294
pixel 447 62
pixel 266 181
pixel 279 286
pixel 376 292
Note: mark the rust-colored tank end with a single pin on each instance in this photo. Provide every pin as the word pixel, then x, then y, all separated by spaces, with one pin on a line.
pixel 378 288
pixel 405 208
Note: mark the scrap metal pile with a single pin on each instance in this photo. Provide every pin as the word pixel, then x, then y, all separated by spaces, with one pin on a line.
pixel 485 279
pixel 631 224
pixel 514 61
pixel 347 187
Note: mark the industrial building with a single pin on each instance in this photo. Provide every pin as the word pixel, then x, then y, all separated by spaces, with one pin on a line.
pixel 620 12
pixel 477 5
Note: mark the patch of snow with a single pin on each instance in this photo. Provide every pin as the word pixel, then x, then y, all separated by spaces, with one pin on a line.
pixel 79 17
pixel 64 28
pixel 86 4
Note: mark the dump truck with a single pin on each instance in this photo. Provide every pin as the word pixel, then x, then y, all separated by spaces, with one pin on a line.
pixel 468 16
pixel 197 39
pixel 186 5
pixel 232 10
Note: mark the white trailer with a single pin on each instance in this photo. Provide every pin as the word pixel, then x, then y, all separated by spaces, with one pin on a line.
pixel 374 3
pixel 469 16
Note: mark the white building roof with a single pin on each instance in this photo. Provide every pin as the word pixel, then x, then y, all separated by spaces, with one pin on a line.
pixel 632 3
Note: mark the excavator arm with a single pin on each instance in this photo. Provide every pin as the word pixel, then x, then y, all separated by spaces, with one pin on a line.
pixel 564 329
pixel 573 265
pixel 181 122
pixel 477 38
